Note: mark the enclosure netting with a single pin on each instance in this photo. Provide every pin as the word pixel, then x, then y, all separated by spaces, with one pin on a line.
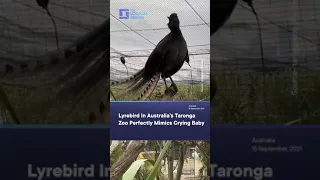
pixel 136 38
pixel 281 87
pixel 26 30
pixel 27 33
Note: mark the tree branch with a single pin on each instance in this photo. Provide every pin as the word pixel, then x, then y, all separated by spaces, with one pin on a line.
pixel 126 159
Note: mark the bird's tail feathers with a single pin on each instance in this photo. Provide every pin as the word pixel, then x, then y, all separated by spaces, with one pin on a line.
pixel 133 79
pixel 149 88
pixel 137 83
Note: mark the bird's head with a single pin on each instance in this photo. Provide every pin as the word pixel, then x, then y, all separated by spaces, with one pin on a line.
pixel 174 22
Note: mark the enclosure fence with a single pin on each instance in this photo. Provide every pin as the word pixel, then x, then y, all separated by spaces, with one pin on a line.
pixel 291 71
pixel 196 33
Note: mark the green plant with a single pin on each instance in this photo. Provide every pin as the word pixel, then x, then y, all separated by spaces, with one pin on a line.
pixel 157 164
pixel 136 166
pixel 148 169
pixel 192 92
pixel 239 99
pixel 40 106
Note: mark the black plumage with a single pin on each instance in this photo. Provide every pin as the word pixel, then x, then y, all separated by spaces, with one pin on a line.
pixel 43 3
pixel 220 12
pixel 166 59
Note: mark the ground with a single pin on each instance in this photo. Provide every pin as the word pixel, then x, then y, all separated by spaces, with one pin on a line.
pixel 41 106
pixel 186 92
pixel 240 98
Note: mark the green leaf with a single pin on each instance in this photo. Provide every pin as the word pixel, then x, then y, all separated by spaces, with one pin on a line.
pixel 156 166
pixel 114 98
pixel 152 162
pixel 133 169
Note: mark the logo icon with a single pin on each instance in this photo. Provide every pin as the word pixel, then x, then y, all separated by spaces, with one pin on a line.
pixel 124 13
pixel 131 14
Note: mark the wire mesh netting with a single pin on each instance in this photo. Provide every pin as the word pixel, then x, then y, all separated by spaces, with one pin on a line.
pixel 27 31
pixel 136 38
pixel 281 87
pixel 28 39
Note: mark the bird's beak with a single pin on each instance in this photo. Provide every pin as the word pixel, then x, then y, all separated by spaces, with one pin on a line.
pixel 188 64
pixel 169 20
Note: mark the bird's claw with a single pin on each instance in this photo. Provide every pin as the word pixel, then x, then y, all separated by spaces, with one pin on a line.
pixel 172 90
pixel 174 87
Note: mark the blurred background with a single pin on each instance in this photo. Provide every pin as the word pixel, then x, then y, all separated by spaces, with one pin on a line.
pixel 285 88
pixel 28 34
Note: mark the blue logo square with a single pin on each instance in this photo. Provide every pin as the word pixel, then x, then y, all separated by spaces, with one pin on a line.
pixel 123 13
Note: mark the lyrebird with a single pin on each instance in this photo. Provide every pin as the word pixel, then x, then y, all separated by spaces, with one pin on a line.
pixel 165 60
pixel 220 12
pixel 67 75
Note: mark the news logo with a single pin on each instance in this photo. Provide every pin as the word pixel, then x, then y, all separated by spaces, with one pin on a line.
pixel 123 13
pixel 131 14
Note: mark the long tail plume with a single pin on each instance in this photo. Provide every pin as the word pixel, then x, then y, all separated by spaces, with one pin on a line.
pixel 75 70
pixel 139 82
pixel 133 78
pixel 87 60
pixel 150 87
pixel 55 59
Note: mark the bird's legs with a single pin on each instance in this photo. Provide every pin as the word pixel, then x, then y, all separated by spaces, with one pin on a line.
pixel 172 90
pixel 165 83
pixel 173 84
pixel 173 87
